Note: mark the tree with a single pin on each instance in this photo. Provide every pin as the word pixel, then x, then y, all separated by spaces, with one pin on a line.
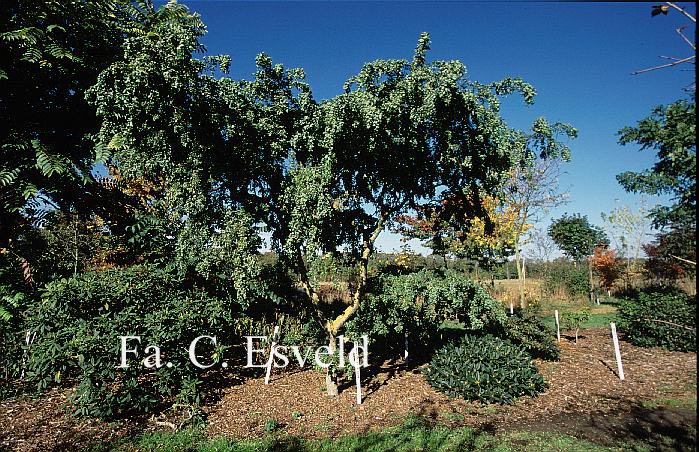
pixel 322 178
pixel 481 239
pixel 530 192
pixel 627 229
pixel 405 134
pixel 672 253
pixel 577 238
pixel 163 124
pixel 542 247
pixel 671 132
pixel 574 320
pixel 604 262
pixel 50 53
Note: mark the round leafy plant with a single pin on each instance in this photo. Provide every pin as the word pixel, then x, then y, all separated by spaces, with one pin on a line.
pixel 660 317
pixel 527 330
pixel 486 368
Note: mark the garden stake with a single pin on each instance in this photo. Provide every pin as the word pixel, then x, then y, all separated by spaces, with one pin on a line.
pixel 275 335
pixel 357 376
pixel 405 355
pixel 617 351
pixel 558 326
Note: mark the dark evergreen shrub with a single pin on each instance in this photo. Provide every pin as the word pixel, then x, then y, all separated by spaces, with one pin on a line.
pixel 484 368
pixel 79 322
pixel 660 317
pixel 529 331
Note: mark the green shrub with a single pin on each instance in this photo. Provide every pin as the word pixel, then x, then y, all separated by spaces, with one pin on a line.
pixel 418 303
pixel 486 368
pixel 78 324
pixel 529 332
pixel 660 316
pixel 573 321
pixel 573 279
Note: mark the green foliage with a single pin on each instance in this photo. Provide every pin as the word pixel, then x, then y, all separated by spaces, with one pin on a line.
pixel 271 425
pixel 670 131
pixel 486 369
pixel 528 331
pixel 79 321
pixel 576 237
pixel 573 279
pixel 416 304
pixel 659 317
pixel 574 320
pixel 50 53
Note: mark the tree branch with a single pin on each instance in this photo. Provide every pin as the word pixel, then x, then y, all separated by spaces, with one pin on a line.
pixel 682 10
pixel 669 323
pixel 683 260
pixel 674 63
pixel 686 39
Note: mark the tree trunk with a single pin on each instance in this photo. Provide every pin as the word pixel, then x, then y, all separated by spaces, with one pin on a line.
pixel 520 278
pixel 628 272
pixel 592 289
pixel 330 375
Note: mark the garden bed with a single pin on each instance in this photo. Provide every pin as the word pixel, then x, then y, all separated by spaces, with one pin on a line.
pixel 584 398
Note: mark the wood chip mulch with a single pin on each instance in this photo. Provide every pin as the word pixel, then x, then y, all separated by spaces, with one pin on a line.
pixel 583 382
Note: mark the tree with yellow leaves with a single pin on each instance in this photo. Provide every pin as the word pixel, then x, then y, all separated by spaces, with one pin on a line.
pixel 530 192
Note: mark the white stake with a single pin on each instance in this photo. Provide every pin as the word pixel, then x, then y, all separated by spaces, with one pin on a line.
pixel 357 375
pixel 270 361
pixel 512 309
pixel 558 326
pixel 617 351
pixel 405 355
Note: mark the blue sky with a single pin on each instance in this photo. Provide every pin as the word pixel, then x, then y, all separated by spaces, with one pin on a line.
pixel 579 57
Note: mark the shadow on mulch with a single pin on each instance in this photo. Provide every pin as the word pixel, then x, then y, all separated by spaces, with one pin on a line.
pixel 660 428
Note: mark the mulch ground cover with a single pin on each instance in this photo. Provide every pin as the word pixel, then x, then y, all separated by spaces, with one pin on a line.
pixel 584 398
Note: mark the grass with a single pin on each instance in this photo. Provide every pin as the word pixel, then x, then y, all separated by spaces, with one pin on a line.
pixel 600 315
pixel 404 438
pixel 672 402
pixel 413 435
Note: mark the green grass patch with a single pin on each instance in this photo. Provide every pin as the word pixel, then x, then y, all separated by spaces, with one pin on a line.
pixel 412 436
pixel 600 315
pixel 690 403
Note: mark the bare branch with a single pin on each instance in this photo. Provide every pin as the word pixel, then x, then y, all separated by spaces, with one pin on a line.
pixel 686 39
pixel 669 323
pixel 674 63
pixel 686 261
pixel 682 10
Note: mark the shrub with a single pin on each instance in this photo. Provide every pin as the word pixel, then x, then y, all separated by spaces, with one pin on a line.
pixel 574 279
pixel 573 321
pixel 529 332
pixel 486 369
pixel 660 316
pixel 78 324
pixel 418 303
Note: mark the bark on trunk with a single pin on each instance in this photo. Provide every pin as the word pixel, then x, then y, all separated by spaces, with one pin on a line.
pixel 521 280
pixel 330 377
pixel 592 290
